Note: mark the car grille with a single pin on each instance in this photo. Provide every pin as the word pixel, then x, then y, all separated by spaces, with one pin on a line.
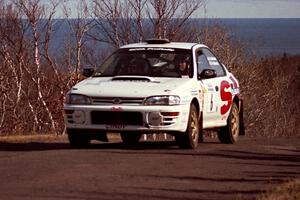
pixel 116 100
pixel 123 118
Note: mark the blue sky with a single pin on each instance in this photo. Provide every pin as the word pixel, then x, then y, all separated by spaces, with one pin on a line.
pixel 252 9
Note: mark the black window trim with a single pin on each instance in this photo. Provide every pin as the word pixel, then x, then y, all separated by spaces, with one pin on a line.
pixel 201 48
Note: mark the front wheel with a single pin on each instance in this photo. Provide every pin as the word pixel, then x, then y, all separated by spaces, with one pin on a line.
pixel 189 139
pixel 78 139
pixel 230 133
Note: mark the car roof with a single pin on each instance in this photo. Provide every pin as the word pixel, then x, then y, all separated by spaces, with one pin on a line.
pixel 176 45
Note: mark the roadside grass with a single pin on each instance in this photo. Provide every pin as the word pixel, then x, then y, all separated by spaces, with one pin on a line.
pixel 286 191
pixel 45 138
pixel 32 138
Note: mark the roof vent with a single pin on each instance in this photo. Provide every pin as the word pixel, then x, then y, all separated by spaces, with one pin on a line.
pixel 157 41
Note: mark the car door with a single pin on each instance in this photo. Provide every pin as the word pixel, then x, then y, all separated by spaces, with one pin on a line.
pixel 212 116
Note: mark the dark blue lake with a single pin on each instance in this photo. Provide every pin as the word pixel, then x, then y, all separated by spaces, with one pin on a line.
pixel 262 36
pixel 267 36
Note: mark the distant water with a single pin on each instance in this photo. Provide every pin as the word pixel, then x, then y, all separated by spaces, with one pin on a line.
pixel 263 36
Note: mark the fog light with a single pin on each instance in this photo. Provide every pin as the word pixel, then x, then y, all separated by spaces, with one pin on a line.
pixel 155 118
pixel 78 117
pixel 68 112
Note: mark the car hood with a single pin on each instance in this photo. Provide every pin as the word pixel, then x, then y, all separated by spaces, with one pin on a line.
pixel 130 86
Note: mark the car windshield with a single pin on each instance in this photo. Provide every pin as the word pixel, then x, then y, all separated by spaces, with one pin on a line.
pixel 153 62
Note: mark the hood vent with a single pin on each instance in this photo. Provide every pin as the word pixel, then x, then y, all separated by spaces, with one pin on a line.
pixel 133 78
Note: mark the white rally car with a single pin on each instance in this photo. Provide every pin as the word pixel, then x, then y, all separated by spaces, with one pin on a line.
pixel 140 89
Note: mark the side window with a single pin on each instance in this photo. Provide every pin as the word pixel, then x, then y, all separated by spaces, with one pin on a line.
pixel 202 62
pixel 214 63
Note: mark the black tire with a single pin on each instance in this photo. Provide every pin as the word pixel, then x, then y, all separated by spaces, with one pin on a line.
pixel 77 139
pixel 230 133
pixel 129 138
pixel 190 139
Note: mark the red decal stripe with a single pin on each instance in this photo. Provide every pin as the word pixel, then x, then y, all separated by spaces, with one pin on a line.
pixel 235 85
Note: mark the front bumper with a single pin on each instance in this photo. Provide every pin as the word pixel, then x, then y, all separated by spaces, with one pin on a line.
pixel 127 118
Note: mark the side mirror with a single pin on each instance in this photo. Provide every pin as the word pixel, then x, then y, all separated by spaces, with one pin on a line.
pixel 87 72
pixel 208 73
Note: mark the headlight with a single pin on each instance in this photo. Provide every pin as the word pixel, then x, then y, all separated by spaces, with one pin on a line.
pixel 77 99
pixel 162 100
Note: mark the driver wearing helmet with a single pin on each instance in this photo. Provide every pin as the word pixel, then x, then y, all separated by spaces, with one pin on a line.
pixel 182 65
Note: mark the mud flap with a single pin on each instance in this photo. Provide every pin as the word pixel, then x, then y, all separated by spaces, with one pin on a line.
pixel 242 125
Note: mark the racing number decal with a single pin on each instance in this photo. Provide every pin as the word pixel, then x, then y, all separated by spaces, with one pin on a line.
pixel 225 96
pixel 211 103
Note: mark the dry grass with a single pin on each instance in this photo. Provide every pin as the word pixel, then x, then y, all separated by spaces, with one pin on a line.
pixel 32 138
pixel 286 191
pixel 271 96
pixel 46 138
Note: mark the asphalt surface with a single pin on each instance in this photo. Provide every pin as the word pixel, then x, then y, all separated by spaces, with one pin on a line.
pixel 151 170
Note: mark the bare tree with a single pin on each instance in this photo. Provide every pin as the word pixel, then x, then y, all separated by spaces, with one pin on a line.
pixel 138 7
pixel 122 22
pixel 34 11
pixel 169 17
pixel 12 58
pixel 109 17
pixel 219 38
pixel 79 28
pixel 26 55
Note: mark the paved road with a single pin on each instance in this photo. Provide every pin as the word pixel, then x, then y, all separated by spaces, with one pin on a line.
pixel 110 171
